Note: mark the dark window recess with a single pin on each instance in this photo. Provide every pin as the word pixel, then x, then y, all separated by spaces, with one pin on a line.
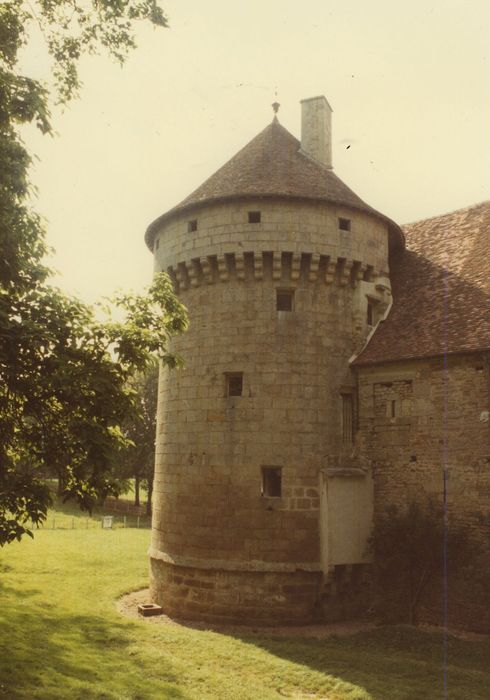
pixel 344 224
pixel 192 226
pixel 254 217
pixel 157 243
pixel 234 384
pixel 347 419
pixel 393 408
pixel 370 313
pixel 271 481
pixel 284 299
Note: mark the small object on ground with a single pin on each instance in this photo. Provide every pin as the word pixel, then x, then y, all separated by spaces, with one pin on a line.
pixel 107 521
pixel 147 609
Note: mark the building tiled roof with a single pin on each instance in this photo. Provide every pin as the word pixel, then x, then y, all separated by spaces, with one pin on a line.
pixel 273 165
pixel 441 290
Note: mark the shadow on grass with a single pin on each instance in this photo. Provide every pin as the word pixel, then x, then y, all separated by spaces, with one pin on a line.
pixel 392 663
pixel 65 655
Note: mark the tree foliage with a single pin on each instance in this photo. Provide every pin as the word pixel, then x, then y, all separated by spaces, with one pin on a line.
pixel 138 459
pixel 64 391
pixel 410 548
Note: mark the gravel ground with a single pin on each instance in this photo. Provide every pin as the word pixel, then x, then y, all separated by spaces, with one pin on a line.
pixel 128 606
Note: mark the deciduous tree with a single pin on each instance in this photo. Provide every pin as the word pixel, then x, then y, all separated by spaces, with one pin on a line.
pixel 64 389
pixel 138 460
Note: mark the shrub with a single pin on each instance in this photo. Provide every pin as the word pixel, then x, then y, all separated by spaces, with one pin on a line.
pixel 409 549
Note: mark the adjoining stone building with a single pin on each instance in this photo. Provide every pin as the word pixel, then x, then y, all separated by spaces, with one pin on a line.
pixel 310 397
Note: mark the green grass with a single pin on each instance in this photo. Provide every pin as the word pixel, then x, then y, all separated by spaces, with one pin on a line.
pixel 67 516
pixel 61 637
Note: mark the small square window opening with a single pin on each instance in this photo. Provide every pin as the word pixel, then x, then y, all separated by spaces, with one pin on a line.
pixel 254 217
pixel 192 226
pixel 234 384
pixel 284 299
pixel 271 482
pixel 344 224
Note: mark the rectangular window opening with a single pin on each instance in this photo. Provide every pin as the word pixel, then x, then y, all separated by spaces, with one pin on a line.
pixel 271 481
pixel 344 224
pixel 192 226
pixel 370 313
pixel 157 243
pixel 393 408
pixel 347 419
pixel 234 384
pixel 284 299
pixel 254 217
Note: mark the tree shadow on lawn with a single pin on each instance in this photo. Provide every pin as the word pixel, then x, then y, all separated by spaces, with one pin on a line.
pixel 391 663
pixel 39 645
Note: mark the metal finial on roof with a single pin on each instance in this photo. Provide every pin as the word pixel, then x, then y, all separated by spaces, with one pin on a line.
pixel 275 107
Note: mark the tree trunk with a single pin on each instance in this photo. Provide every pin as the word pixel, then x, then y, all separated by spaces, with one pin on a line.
pixel 61 482
pixel 136 491
pixel 150 493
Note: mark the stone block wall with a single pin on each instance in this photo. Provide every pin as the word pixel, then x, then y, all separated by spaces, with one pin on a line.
pixel 249 597
pixel 417 418
pixel 210 514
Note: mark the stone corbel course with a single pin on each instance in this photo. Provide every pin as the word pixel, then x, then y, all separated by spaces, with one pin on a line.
pixel 279 265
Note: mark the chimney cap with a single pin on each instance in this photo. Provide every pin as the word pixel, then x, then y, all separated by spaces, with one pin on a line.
pixel 318 97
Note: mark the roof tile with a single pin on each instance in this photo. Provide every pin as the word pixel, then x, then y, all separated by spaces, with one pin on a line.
pixel 273 165
pixel 441 290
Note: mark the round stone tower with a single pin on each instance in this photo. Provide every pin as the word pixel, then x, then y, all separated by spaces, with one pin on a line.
pixel 284 271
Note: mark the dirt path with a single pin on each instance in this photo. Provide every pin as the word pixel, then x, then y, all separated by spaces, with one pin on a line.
pixel 128 606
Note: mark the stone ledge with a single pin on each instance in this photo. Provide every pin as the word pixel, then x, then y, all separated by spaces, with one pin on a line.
pixel 346 471
pixel 232 565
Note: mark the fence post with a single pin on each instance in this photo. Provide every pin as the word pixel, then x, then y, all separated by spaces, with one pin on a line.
pixel 124 521
pixel 138 521
pixel 54 523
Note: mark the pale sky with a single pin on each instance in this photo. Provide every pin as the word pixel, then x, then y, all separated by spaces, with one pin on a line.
pixel 409 84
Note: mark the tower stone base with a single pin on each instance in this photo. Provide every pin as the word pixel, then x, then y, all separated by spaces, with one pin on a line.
pixel 243 597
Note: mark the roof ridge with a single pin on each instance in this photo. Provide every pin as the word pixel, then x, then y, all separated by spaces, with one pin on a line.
pixel 448 213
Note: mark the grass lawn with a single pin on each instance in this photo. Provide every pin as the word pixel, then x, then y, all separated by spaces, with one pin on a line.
pixel 61 637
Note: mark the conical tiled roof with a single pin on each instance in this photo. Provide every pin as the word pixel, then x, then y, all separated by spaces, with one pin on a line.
pixel 273 165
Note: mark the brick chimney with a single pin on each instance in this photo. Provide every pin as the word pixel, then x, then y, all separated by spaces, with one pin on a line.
pixel 316 129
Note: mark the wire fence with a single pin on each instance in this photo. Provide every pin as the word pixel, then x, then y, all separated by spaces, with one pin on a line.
pixel 62 521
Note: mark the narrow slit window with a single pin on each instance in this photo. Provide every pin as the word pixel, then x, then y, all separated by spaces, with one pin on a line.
pixel 157 243
pixel 254 217
pixel 344 224
pixel 347 419
pixel 370 313
pixel 271 482
pixel 234 384
pixel 393 408
pixel 192 226
pixel 284 299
